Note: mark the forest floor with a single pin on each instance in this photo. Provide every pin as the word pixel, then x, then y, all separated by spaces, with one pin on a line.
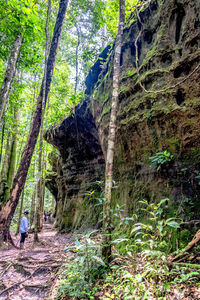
pixel 30 273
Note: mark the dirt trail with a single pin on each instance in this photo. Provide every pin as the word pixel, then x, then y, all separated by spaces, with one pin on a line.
pixel 30 273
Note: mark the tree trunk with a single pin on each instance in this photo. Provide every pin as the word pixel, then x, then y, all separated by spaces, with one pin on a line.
pixel 11 169
pixel 43 193
pixel 20 213
pixel 13 157
pixel 52 204
pixel 4 171
pixel 77 68
pixel 8 210
pixel 2 136
pixel 10 72
pixel 38 226
pixel 32 213
pixel 107 226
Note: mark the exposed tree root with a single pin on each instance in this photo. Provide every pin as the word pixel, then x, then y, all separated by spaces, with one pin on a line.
pixel 18 283
pixel 30 273
pixel 10 240
pixel 39 286
pixel 6 269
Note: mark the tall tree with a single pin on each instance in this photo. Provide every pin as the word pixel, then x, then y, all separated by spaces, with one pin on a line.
pixel 5 168
pixel 40 169
pixel 32 212
pixel 9 75
pixel 8 210
pixel 13 154
pixel 106 251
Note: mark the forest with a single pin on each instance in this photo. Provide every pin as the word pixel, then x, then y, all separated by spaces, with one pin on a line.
pixel 99 149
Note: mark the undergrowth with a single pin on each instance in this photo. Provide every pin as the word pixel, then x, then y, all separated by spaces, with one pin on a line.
pixel 140 268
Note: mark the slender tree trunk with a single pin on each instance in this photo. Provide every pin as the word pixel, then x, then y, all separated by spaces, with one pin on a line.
pixel 77 67
pixel 32 213
pixel 40 171
pixel 52 204
pixel 6 160
pixel 43 193
pixel 10 72
pixel 8 210
pixel 13 157
pixel 20 213
pixel 5 168
pixel 2 136
pixel 107 226
pixel 37 227
pixel 11 168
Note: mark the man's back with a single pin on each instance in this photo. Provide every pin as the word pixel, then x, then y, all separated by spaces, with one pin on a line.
pixel 23 225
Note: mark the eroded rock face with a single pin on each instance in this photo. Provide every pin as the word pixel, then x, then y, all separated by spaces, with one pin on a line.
pixel 79 165
pixel 159 109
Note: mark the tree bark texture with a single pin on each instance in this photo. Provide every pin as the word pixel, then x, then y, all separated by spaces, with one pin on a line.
pixel 8 210
pixel 106 251
pixel 10 72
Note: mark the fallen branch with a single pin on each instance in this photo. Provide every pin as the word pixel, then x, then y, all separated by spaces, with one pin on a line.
pixel 193 243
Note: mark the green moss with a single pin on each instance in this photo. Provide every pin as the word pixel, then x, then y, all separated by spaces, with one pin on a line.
pixel 124 89
pixel 130 73
pixel 173 144
pixel 105 111
pixel 153 52
pixel 150 73
pixel 194 102
pixel 66 222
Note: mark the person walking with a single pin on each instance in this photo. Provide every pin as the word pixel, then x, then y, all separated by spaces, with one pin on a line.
pixel 23 229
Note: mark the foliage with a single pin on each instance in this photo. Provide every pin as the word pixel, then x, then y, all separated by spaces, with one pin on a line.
pixel 139 269
pixel 160 159
pixel 81 273
pixel 152 236
pixel 111 14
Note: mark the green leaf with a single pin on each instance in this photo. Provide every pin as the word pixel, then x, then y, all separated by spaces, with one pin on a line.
pixel 173 224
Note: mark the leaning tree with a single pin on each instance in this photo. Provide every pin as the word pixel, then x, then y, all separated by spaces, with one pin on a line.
pixel 7 212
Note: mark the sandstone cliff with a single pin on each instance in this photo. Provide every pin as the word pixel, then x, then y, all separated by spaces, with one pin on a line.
pixel 159 109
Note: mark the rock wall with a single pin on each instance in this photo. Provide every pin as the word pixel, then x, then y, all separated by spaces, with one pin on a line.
pixel 159 105
pixel 76 167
